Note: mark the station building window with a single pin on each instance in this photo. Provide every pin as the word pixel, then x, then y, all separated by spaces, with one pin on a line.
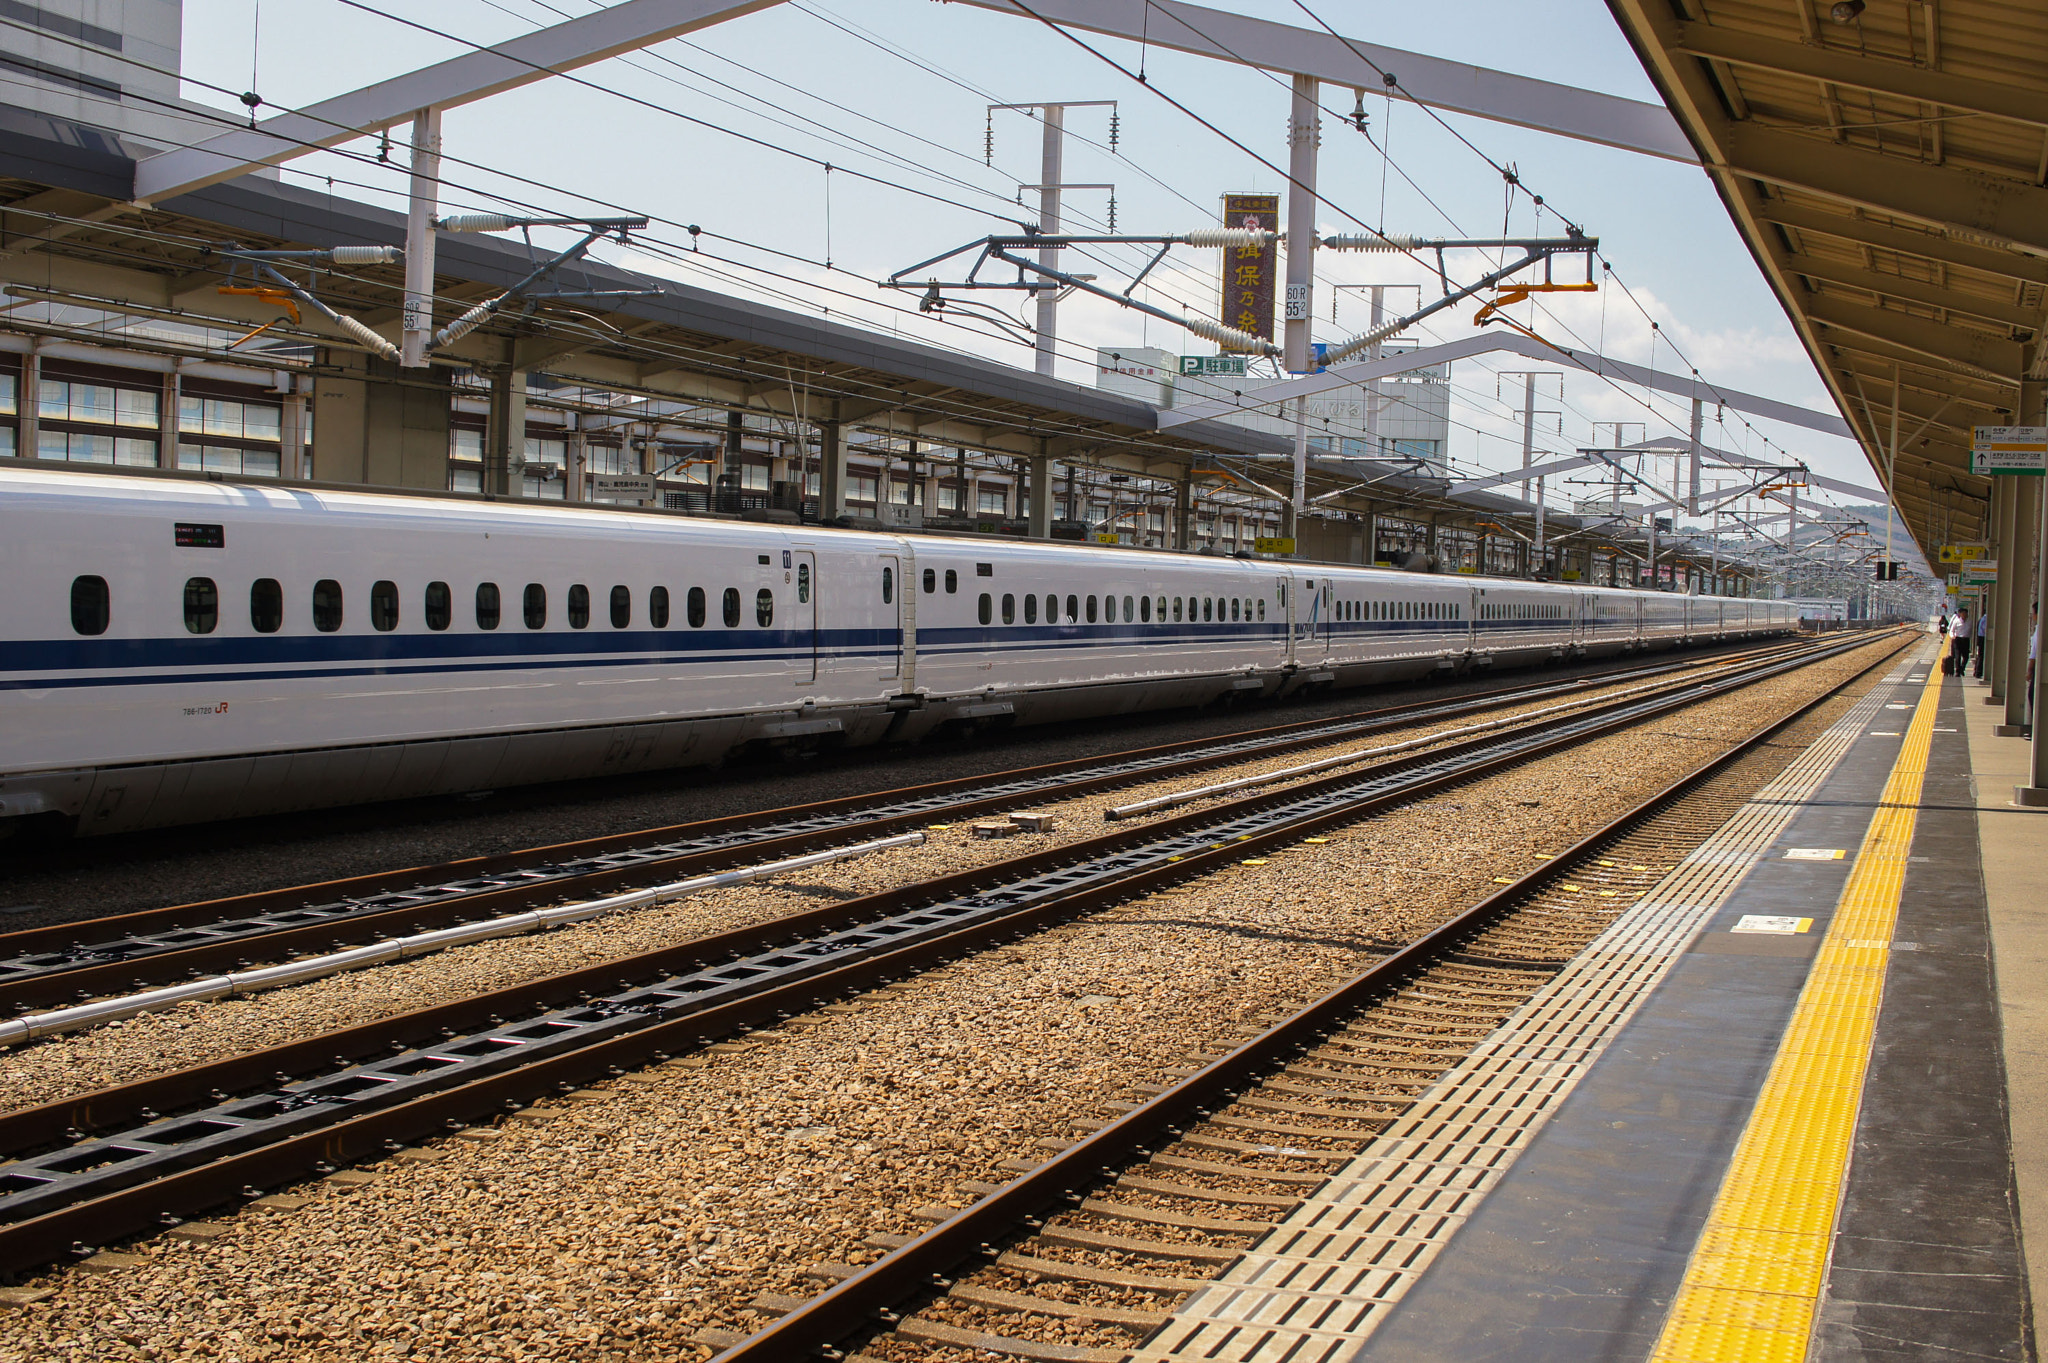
pixel 547 462
pixel 992 501
pixel 225 434
pixel 465 459
pixel 122 422
pixel 861 488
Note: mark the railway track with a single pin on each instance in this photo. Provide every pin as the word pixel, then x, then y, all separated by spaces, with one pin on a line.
pixel 453 1064
pixel 1086 1255
pixel 59 964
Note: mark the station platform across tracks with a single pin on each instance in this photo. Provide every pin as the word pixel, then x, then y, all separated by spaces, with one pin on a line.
pixel 1772 1114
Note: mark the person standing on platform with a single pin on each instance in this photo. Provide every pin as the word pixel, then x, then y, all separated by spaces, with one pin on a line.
pixel 1958 642
pixel 1983 633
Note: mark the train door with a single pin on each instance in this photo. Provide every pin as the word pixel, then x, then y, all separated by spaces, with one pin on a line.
pixel 800 570
pixel 1305 612
pixel 892 613
pixel 900 617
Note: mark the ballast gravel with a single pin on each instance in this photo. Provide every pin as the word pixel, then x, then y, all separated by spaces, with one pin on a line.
pixel 615 1229
pixel 72 1064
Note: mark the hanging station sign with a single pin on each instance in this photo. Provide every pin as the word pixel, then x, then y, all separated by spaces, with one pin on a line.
pixel 622 487
pixel 2021 450
pixel 1980 573
pixel 1249 271
pixel 1964 553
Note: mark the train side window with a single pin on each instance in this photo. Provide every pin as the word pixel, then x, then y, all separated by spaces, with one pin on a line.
pixel 384 606
pixel 1236 613
pixel 693 604
pixel 488 607
pixel 1145 610
pixel 1009 608
pixel 1160 609
pixel 1091 609
pixel 536 606
pixel 1176 610
pixel 1208 609
pixel 952 581
pixel 1262 609
pixel 440 605
pixel 1030 609
pixel 266 605
pixel 803 583
pixel 202 605
pixel 983 610
pixel 579 606
pixel 327 605
pixel 622 606
pixel 1074 609
pixel 888 586
pixel 764 608
pixel 91 604
pixel 657 607
pixel 931 581
pixel 731 604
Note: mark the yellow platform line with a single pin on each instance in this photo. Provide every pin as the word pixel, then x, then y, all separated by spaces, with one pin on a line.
pixel 1754 1280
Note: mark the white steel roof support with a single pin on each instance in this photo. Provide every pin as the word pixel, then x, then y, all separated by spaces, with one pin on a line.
pixel 1345 375
pixel 624 27
pixel 417 325
pixel 1631 125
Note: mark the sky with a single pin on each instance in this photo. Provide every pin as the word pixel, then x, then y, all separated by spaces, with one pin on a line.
pixel 730 130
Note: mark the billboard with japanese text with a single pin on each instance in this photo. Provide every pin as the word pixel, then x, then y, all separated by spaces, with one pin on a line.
pixel 1249 271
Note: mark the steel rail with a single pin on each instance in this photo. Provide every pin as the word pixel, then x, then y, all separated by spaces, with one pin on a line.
pixel 859 1303
pixel 70 1118
pixel 64 963
pixel 986 918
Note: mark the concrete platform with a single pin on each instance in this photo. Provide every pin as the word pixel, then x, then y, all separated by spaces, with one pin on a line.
pixel 1799 1144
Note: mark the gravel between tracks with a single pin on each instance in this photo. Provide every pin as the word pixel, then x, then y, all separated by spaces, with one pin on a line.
pixel 619 1227
pixel 121 1052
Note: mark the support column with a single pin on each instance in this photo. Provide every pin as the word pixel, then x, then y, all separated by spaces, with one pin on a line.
pixel 2035 792
pixel 1304 133
pixel 2000 540
pixel 2001 592
pixel 167 423
pixel 2017 561
pixel 1040 526
pixel 1291 514
pixel 1183 510
pixel 831 470
pixel 418 316
pixel 1692 496
pixel 28 425
pixel 291 433
pixel 729 464
pixel 505 433
pixel 1050 171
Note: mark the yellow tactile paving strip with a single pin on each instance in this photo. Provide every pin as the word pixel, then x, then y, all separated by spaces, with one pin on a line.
pixel 1755 1277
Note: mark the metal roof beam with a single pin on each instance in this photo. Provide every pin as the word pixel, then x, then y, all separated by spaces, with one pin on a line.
pixel 531 57
pixel 2004 212
pixel 1903 240
pixel 1914 291
pixel 1586 115
pixel 1969 350
pixel 1838 66
pixel 1345 375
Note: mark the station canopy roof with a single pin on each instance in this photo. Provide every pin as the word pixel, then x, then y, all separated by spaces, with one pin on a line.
pixel 1887 164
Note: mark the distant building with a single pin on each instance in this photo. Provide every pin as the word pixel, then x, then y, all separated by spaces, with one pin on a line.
pixel 109 64
pixel 1409 416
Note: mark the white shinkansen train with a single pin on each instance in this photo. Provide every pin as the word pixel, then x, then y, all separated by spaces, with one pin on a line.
pixel 181 650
